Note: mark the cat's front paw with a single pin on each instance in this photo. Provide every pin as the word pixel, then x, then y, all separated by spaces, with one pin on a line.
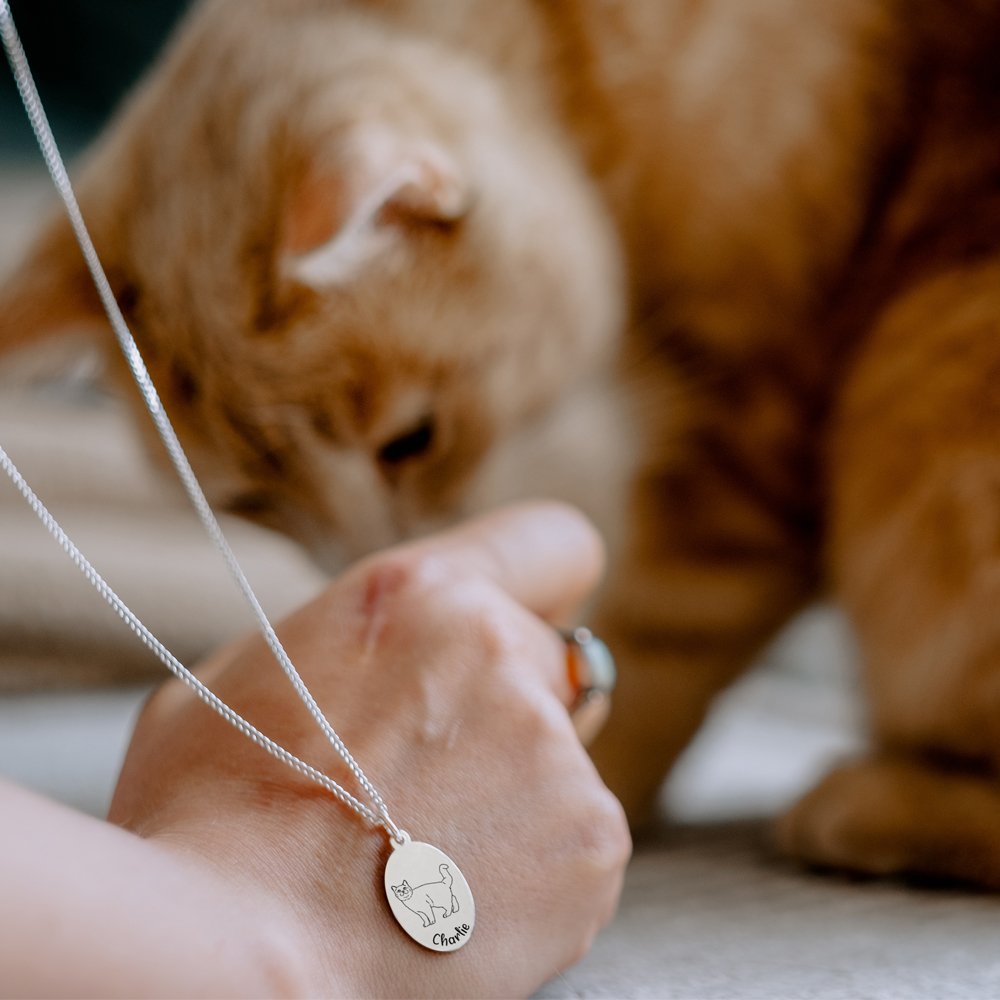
pixel 860 817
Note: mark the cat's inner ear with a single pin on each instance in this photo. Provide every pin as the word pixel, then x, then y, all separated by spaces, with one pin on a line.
pixel 344 216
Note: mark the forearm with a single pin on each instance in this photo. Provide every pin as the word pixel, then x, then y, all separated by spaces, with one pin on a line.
pixel 88 909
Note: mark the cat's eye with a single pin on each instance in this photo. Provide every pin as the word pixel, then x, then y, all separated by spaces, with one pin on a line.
pixel 251 504
pixel 413 444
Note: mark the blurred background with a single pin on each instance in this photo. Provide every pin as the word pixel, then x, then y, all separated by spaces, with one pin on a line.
pixel 84 55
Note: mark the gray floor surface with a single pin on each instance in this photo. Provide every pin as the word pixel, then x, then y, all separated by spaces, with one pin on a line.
pixel 710 913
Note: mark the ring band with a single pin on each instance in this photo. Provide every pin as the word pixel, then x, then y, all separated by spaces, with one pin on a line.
pixel 592 673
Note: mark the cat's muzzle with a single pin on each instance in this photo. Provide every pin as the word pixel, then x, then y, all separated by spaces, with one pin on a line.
pixel 592 674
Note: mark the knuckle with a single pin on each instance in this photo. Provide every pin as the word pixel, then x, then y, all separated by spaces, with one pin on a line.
pixel 393 586
pixel 492 632
pixel 390 603
pixel 578 952
pixel 515 643
pixel 492 628
pixel 603 838
pixel 602 849
pixel 418 596
pixel 396 573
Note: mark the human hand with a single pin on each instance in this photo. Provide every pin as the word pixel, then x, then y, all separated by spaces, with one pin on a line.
pixel 434 664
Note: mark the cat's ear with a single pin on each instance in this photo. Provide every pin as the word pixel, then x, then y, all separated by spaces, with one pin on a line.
pixel 51 292
pixel 346 212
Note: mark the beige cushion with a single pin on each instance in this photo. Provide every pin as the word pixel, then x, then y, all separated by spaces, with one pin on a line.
pixel 80 453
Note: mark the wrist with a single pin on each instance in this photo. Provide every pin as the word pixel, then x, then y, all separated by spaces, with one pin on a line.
pixel 258 933
pixel 301 884
pixel 310 878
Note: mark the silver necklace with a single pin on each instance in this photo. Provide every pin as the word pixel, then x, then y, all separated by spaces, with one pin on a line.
pixel 427 892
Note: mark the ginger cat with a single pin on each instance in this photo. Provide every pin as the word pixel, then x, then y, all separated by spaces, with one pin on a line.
pixel 372 252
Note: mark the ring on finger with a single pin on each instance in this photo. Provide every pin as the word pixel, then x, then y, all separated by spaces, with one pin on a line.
pixel 592 674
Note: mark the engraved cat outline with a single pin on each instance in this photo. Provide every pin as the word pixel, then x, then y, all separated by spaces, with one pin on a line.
pixel 429 895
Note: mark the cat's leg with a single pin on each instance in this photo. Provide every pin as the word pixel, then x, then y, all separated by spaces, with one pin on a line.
pixel 432 919
pixel 723 550
pixel 897 813
pixel 915 552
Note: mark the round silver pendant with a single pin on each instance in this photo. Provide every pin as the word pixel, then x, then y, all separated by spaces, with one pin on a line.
pixel 429 896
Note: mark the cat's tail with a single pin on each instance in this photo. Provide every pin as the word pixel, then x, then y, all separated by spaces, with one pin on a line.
pixel 446 875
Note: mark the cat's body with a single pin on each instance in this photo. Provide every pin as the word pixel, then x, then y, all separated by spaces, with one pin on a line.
pixel 427 897
pixel 371 251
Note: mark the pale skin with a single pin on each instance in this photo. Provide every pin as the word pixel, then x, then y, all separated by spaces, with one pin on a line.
pixel 223 873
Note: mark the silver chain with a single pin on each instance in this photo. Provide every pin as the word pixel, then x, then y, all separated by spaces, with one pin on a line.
pixel 164 654
pixel 57 170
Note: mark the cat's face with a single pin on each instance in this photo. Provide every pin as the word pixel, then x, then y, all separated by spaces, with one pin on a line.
pixel 353 284
pixel 403 892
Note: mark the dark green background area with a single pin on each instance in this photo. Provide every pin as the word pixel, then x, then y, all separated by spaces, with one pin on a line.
pixel 84 55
